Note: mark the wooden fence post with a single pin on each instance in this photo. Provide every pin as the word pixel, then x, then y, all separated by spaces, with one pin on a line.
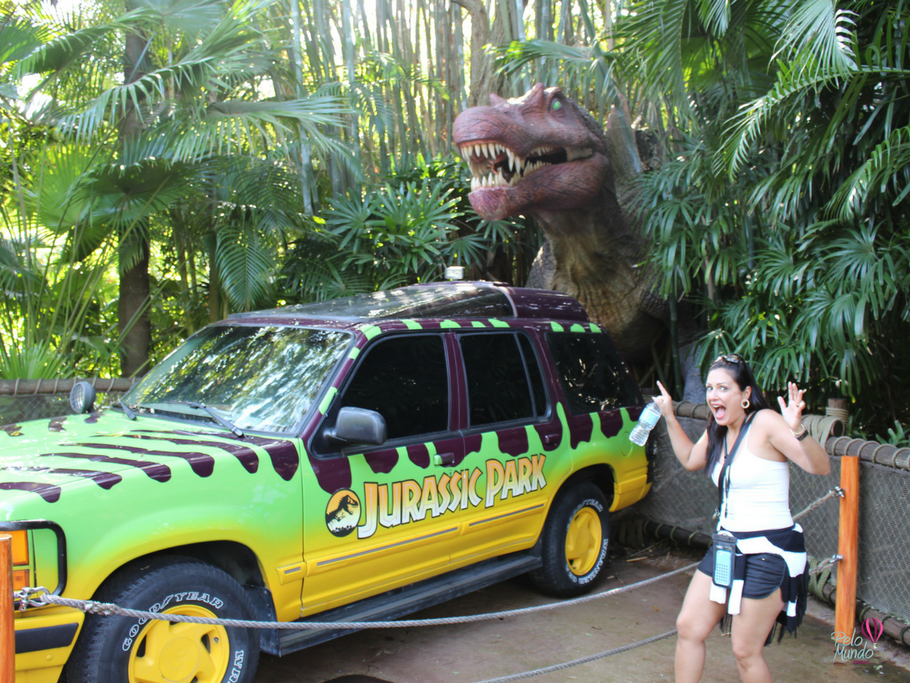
pixel 848 548
pixel 7 627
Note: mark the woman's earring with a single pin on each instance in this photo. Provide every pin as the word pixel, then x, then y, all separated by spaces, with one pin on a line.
pixel 745 404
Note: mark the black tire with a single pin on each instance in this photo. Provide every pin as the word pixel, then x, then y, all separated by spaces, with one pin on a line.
pixel 574 542
pixel 118 649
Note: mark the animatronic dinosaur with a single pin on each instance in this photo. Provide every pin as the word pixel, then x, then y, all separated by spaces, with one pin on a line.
pixel 542 155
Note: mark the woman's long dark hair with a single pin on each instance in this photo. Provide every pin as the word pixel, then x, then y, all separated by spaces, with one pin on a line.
pixel 742 375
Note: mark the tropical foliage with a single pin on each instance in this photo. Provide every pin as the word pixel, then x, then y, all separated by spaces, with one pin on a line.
pixel 193 147
pixel 783 207
pixel 779 207
pixel 404 232
pixel 270 151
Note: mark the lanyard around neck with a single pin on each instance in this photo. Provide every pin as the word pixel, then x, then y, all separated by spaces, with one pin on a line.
pixel 723 480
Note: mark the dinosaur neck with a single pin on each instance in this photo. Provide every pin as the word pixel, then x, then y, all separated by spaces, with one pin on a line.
pixel 596 256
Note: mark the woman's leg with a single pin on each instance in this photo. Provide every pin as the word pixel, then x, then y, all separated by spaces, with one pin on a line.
pixel 750 631
pixel 699 614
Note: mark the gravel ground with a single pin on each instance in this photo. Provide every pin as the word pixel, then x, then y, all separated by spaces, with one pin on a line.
pixel 483 651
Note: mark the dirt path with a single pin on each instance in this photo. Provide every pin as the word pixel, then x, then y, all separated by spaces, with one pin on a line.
pixel 482 651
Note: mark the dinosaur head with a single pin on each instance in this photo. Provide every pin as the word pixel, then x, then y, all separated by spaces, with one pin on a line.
pixel 537 152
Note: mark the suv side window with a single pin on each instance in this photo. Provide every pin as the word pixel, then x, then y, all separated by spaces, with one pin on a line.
pixel 503 378
pixel 406 381
pixel 592 374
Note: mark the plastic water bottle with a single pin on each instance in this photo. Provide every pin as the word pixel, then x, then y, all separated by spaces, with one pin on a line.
pixel 649 417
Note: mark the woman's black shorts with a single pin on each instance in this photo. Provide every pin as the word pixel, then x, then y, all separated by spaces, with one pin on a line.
pixel 764 573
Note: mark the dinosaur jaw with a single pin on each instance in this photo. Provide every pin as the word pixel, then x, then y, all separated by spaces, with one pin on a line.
pixel 505 183
pixel 494 165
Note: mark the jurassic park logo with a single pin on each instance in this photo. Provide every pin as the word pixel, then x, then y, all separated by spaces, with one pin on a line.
pixel 402 502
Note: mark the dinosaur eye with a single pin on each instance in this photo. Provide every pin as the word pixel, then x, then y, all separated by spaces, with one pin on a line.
pixel 556 104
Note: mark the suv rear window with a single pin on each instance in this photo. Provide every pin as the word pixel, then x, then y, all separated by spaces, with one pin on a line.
pixel 591 372
pixel 503 378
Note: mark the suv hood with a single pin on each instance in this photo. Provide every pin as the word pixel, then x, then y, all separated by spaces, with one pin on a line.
pixel 44 457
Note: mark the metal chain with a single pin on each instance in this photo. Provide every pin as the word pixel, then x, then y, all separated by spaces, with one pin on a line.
pixel 836 491
pixel 38 597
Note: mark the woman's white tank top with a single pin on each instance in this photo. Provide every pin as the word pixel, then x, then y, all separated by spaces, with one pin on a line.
pixel 759 496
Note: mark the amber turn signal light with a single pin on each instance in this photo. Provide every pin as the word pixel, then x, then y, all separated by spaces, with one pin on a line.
pixel 19 546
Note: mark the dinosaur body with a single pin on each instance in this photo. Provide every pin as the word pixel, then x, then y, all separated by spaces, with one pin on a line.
pixel 542 155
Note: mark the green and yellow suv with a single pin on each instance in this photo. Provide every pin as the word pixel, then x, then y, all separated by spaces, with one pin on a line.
pixel 353 460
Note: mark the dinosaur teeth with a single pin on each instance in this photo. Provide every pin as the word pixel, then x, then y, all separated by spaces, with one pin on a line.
pixel 540 151
pixel 513 161
pixel 481 156
pixel 491 180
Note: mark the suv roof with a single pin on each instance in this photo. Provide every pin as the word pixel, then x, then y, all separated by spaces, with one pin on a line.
pixel 461 299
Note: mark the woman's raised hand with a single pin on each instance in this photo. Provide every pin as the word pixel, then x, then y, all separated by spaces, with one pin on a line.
pixel 664 402
pixel 792 410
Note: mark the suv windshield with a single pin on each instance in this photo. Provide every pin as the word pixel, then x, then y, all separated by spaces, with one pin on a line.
pixel 258 378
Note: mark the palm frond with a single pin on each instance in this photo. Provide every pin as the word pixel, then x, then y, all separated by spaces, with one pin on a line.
pixel 245 262
pixel 19 38
pixel 192 17
pixel 225 55
pixel 885 172
pixel 819 36
pixel 67 51
pixel 582 70
pixel 655 36
pixel 715 15
pixel 744 129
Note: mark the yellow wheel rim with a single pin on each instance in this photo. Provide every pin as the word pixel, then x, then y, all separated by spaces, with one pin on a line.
pixel 165 652
pixel 584 541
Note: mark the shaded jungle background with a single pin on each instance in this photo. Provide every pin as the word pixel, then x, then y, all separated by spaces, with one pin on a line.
pixel 167 162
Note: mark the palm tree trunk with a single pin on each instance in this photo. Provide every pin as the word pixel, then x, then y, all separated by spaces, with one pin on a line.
pixel 347 28
pixel 133 322
pixel 307 181
pixel 214 284
pixel 323 14
pixel 482 79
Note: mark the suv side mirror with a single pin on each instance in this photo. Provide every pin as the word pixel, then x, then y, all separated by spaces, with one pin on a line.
pixel 358 426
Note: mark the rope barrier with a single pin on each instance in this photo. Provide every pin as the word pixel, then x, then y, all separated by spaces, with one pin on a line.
pixel 38 597
pixel 583 660
pixel 824 564
pixel 26 598
pixel 836 491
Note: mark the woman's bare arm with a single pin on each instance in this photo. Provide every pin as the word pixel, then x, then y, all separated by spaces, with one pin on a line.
pixel 691 456
pixel 807 453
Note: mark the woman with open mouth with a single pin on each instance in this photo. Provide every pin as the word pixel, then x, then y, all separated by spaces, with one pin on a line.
pixel 755 572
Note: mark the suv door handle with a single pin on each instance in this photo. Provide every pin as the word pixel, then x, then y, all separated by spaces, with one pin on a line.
pixel 550 438
pixel 444 459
